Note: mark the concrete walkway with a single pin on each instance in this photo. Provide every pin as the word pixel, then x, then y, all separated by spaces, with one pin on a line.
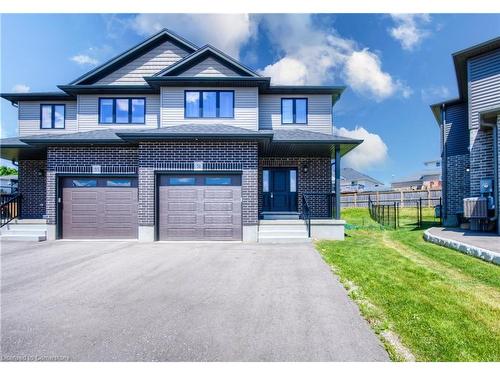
pixel 482 245
pixel 130 301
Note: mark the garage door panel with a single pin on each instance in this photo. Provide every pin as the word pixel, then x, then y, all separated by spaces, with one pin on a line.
pixel 181 219
pixel 200 212
pixel 218 206
pixel 218 194
pixel 100 213
pixel 218 219
pixel 180 193
pixel 181 206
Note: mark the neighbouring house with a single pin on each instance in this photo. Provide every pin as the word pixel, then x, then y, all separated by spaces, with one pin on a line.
pixel 426 179
pixel 171 141
pixel 469 137
pixel 352 180
pixel 8 184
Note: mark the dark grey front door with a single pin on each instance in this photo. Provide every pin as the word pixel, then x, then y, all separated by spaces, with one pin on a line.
pixel 99 208
pixel 279 190
pixel 200 207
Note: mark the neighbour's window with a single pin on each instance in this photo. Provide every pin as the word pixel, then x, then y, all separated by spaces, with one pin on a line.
pixel 118 183
pixel 122 110
pixel 294 111
pixel 209 104
pixel 218 181
pixel 181 181
pixel 84 183
pixel 52 116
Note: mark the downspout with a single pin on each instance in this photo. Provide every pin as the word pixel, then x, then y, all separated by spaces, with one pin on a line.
pixel 495 170
pixel 444 167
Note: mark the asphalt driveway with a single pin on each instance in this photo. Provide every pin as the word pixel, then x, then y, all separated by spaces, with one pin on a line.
pixel 130 301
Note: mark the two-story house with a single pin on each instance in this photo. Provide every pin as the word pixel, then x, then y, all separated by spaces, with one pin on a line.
pixel 469 136
pixel 170 141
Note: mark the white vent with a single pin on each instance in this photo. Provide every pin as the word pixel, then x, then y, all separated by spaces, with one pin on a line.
pixel 476 208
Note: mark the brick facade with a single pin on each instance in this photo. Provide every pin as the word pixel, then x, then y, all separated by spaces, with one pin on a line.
pixel 457 183
pixel 58 156
pixel 317 179
pixel 481 158
pixel 32 186
pixel 190 151
pixel 148 153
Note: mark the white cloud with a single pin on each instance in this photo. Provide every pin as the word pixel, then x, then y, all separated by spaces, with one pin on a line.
pixel 21 87
pixel 228 32
pixel 83 59
pixel 363 73
pixel 315 56
pixel 286 71
pixel 433 93
pixel 409 29
pixel 372 152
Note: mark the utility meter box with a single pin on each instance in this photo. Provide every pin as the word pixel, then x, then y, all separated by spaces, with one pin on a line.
pixel 486 186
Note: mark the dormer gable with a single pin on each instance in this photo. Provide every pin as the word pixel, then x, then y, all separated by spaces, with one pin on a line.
pixel 207 62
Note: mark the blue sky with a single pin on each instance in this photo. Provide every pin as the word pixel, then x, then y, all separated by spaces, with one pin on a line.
pixel 394 66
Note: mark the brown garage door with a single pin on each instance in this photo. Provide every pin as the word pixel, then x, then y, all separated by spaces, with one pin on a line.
pixel 99 208
pixel 200 207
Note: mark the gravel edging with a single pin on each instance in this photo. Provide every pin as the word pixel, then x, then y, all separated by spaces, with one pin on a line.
pixel 475 251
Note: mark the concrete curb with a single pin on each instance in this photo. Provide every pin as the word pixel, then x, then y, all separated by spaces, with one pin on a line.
pixel 478 252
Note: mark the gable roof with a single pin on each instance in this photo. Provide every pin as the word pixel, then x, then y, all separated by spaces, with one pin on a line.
pixel 202 54
pixel 132 53
pixel 352 174
pixel 460 59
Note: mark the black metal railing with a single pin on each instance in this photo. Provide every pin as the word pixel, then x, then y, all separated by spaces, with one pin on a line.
pixel 321 205
pixel 10 208
pixel 306 214
pixel 386 214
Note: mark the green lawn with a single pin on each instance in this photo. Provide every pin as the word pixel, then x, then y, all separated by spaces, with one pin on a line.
pixel 440 304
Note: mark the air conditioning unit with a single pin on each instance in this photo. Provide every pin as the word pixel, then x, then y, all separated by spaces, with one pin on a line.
pixel 476 208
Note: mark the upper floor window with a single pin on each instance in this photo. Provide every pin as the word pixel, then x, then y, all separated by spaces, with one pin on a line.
pixel 294 111
pixel 209 104
pixel 52 116
pixel 122 110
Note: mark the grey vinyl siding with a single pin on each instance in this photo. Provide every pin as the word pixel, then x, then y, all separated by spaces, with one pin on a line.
pixel 29 118
pixel 148 64
pixel 456 130
pixel 88 113
pixel 319 117
pixel 245 109
pixel 484 85
pixel 209 68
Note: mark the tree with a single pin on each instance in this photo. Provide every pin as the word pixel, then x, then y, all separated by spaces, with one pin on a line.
pixel 5 171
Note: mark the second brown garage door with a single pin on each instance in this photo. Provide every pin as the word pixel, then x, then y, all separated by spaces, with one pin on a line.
pixel 99 208
pixel 200 207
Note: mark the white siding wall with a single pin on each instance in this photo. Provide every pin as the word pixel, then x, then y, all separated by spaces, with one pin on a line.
pixel 245 111
pixel 88 112
pixel 319 117
pixel 209 68
pixel 146 65
pixel 29 118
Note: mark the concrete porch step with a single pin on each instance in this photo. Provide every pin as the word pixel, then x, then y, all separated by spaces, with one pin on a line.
pixel 283 231
pixel 29 221
pixel 24 230
pixel 23 227
pixel 284 239
pixel 282 222
pixel 280 215
pixel 23 237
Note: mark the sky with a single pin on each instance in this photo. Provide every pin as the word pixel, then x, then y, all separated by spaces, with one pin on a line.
pixel 393 66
